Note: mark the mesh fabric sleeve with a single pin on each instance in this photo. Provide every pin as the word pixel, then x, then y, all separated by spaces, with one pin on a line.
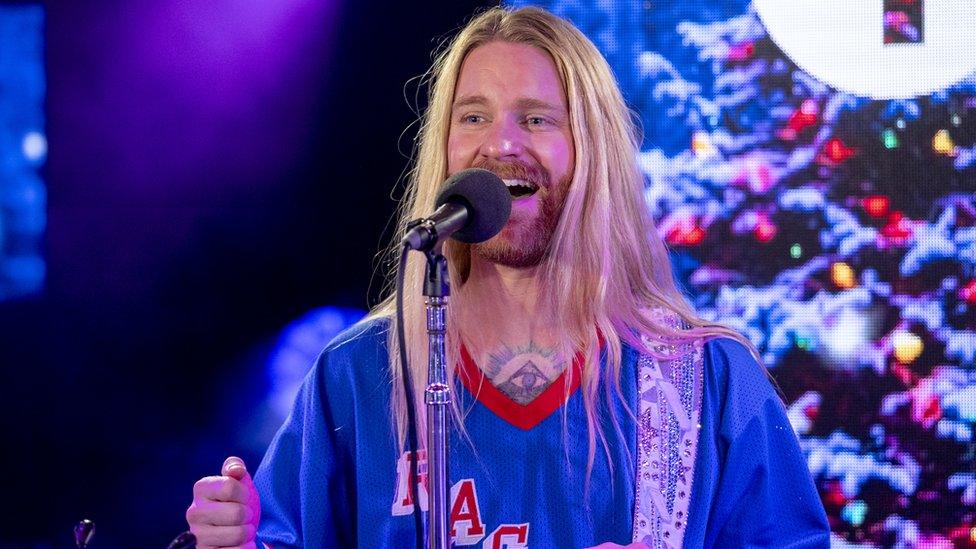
pixel 757 490
pixel 303 480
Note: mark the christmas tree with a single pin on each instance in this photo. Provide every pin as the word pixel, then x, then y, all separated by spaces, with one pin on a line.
pixel 838 233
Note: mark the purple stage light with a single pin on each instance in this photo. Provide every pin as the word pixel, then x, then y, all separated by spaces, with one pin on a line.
pixel 196 89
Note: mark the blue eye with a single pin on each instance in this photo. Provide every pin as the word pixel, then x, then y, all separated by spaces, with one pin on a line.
pixel 539 121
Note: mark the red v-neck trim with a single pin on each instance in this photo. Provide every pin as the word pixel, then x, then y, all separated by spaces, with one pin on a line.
pixel 523 416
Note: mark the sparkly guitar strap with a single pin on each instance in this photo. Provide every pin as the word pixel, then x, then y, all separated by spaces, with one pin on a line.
pixel 667 443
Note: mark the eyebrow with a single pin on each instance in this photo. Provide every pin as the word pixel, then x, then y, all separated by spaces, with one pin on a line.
pixel 525 103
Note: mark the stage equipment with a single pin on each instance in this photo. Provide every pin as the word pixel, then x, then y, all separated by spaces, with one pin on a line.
pixel 84 532
pixel 473 207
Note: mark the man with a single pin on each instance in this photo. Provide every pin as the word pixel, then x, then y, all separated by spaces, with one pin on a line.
pixel 593 405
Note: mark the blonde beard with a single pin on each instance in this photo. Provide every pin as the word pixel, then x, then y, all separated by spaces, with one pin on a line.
pixel 523 245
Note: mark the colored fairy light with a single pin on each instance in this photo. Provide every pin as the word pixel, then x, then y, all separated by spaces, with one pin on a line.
pixel 876 205
pixel 968 292
pixel 701 144
pixel 889 138
pixel 686 233
pixel 695 236
pixel 803 117
pixel 742 51
pixel 835 494
pixel 929 412
pixel 942 143
pixel 907 345
pixel 956 120
pixel 765 230
pixel 803 342
pixel 843 275
pixel 855 512
pixel 898 229
pixel 837 151
pixel 900 123
pixel 796 251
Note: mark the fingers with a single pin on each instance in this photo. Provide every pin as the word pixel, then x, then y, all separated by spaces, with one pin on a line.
pixel 223 536
pixel 221 489
pixel 234 467
pixel 248 545
pixel 219 513
pixel 226 509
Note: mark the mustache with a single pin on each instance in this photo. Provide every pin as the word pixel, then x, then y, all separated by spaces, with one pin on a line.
pixel 515 170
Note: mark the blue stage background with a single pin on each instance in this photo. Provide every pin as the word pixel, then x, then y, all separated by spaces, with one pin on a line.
pixel 23 148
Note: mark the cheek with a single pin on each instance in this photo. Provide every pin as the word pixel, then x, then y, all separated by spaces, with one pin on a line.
pixel 459 154
pixel 564 158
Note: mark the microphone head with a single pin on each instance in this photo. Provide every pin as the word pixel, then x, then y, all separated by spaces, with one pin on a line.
pixel 488 201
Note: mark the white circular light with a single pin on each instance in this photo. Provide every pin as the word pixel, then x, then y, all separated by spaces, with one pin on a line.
pixel 34 146
pixel 841 42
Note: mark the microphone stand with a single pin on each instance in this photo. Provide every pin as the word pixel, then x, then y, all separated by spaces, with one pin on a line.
pixel 437 396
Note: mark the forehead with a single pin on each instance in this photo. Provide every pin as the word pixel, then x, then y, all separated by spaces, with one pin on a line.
pixel 502 70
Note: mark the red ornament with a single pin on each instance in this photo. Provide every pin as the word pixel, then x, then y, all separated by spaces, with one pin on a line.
pixel 876 205
pixel 968 292
pixel 837 152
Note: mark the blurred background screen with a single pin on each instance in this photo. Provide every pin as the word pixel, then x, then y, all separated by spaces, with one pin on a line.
pixel 221 176
pixel 23 148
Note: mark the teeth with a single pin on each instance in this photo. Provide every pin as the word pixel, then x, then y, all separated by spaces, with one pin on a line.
pixel 518 183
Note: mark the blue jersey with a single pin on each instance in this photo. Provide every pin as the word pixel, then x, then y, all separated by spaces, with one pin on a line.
pixel 333 476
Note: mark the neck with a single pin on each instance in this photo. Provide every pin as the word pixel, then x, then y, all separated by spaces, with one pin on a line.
pixel 503 305
pixel 508 327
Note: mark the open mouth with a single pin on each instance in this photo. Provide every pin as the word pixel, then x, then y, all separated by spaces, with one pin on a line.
pixel 520 188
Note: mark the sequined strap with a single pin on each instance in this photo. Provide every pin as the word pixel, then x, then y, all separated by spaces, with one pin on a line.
pixel 667 442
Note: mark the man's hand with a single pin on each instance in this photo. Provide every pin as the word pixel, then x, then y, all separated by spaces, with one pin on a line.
pixel 226 510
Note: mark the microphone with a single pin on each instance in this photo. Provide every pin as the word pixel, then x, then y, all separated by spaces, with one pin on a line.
pixel 473 207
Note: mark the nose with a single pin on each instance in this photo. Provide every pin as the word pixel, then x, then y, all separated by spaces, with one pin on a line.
pixel 505 139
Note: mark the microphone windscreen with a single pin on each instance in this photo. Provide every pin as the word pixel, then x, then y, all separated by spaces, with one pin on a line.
pixel 488 201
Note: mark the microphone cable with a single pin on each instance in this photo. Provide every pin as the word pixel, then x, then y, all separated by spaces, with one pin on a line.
pixel 411 442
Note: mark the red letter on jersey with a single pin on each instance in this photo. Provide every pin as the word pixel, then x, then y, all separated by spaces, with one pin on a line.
pixel 403 499
pixel 510 536
pixel 466 525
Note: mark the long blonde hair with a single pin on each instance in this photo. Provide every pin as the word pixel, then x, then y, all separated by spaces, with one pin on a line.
pixel 607 269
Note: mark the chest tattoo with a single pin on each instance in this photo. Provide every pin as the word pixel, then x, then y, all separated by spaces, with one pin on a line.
pixel 523 373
